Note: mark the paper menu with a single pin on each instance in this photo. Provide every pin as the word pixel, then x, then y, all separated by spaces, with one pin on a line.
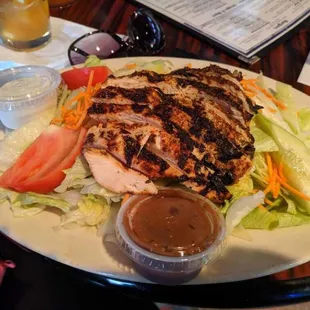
pixel 244 26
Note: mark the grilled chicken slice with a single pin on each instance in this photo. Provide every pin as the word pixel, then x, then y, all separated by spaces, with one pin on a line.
pixel 215 76
pixel 239 107
pixel 115 176
pixel 191 125
pixel 181 113
pixel 188 99
pixel 127 149
pixel 127 143
pixel 203 136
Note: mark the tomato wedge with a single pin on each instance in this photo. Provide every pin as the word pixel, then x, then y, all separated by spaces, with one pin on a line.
pixel 52 179
pixel 44 157
pixel 78 77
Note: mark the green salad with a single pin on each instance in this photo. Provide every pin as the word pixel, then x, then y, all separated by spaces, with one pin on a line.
pixel 275 193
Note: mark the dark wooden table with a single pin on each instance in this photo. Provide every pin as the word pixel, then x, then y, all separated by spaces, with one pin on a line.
pixel 283 62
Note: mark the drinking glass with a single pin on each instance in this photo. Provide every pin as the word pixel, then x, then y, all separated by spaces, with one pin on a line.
pixel 24 24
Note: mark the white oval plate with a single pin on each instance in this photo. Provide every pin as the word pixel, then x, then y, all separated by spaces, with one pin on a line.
pixel 269 252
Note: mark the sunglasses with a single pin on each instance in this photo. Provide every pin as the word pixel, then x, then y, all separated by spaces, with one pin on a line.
pixel 145 38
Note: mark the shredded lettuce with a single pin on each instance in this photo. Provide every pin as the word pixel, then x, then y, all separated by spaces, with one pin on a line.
pixel 72 196
pixel 20 211
pixel 304 136
pixel 241 208
pixel 270 110
pixel 304 119
pixel 91 211
pixel 260 172
pixel 294 156
pixel 21 202
pixel 96 189
pixel 18 140
pixel 75 176
pixel 288 220
pixel 93 61
pixel 158 66
pixel 260 218
pixel 243 188
pixel 28 199
pixel 263 142
pixel 284 94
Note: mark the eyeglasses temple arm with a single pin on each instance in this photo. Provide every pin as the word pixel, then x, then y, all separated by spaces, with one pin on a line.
pixel 79 51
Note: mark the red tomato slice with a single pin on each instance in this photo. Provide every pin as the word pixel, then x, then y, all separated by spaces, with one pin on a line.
pixel 49 149
pixel 76 78
pixel 66 139
pixel 43 156
pixel 53 178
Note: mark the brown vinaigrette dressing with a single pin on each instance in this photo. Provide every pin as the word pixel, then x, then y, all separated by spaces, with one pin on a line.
pixel 171 223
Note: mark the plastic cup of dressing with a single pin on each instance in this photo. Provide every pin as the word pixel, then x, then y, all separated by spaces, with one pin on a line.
pixel 26 92
pixel 170 236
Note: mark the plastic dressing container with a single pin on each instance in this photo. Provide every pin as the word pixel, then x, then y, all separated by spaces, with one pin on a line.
pixel 170 236
pixel 25 92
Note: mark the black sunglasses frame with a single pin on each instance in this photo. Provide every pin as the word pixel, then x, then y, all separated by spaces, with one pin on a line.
pixel 124 46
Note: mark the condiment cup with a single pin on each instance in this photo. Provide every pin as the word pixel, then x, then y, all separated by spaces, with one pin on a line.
pixel 26 92
pixel 170 270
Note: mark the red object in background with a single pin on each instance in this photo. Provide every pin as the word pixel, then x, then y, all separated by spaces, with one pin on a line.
pixel 3 265
pixel 77 78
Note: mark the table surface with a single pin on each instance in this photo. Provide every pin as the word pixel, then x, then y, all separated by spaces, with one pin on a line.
pixel 283 62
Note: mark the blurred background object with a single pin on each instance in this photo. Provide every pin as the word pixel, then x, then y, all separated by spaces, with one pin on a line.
pixel 24 24
pixel 61 3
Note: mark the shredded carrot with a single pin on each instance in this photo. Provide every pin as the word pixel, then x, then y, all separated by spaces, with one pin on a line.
pixel 74 99
pixel 277 190
pixel 268 202
pixel 90 81
pixel 131 66
pixel 269 165
pixel 281 172
pixel 252 83
pixel 273 180
pixel 279 104
pixel 267 189
pixel 254 191
pixel 73 117
pixel 272 110
pixel 248 81
pixel 250 94
pixel 292 189
pixel 276 180
pixel 274 100
pixel 261 207
pixel 57 120
pixel 79 120
pixel 126 197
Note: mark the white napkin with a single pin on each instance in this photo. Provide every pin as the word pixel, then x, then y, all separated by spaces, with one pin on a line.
pixel 54 54
pixel 304 76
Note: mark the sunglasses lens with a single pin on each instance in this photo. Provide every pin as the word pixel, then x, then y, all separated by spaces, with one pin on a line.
pixel 146 33
pixel 101 44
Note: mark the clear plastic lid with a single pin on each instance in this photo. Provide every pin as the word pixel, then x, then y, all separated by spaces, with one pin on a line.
pixel 164 263
pixel 24 86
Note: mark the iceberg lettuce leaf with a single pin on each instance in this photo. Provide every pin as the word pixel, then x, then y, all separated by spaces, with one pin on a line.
pixel 260 218
pixel 91 211
pixel 18 140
